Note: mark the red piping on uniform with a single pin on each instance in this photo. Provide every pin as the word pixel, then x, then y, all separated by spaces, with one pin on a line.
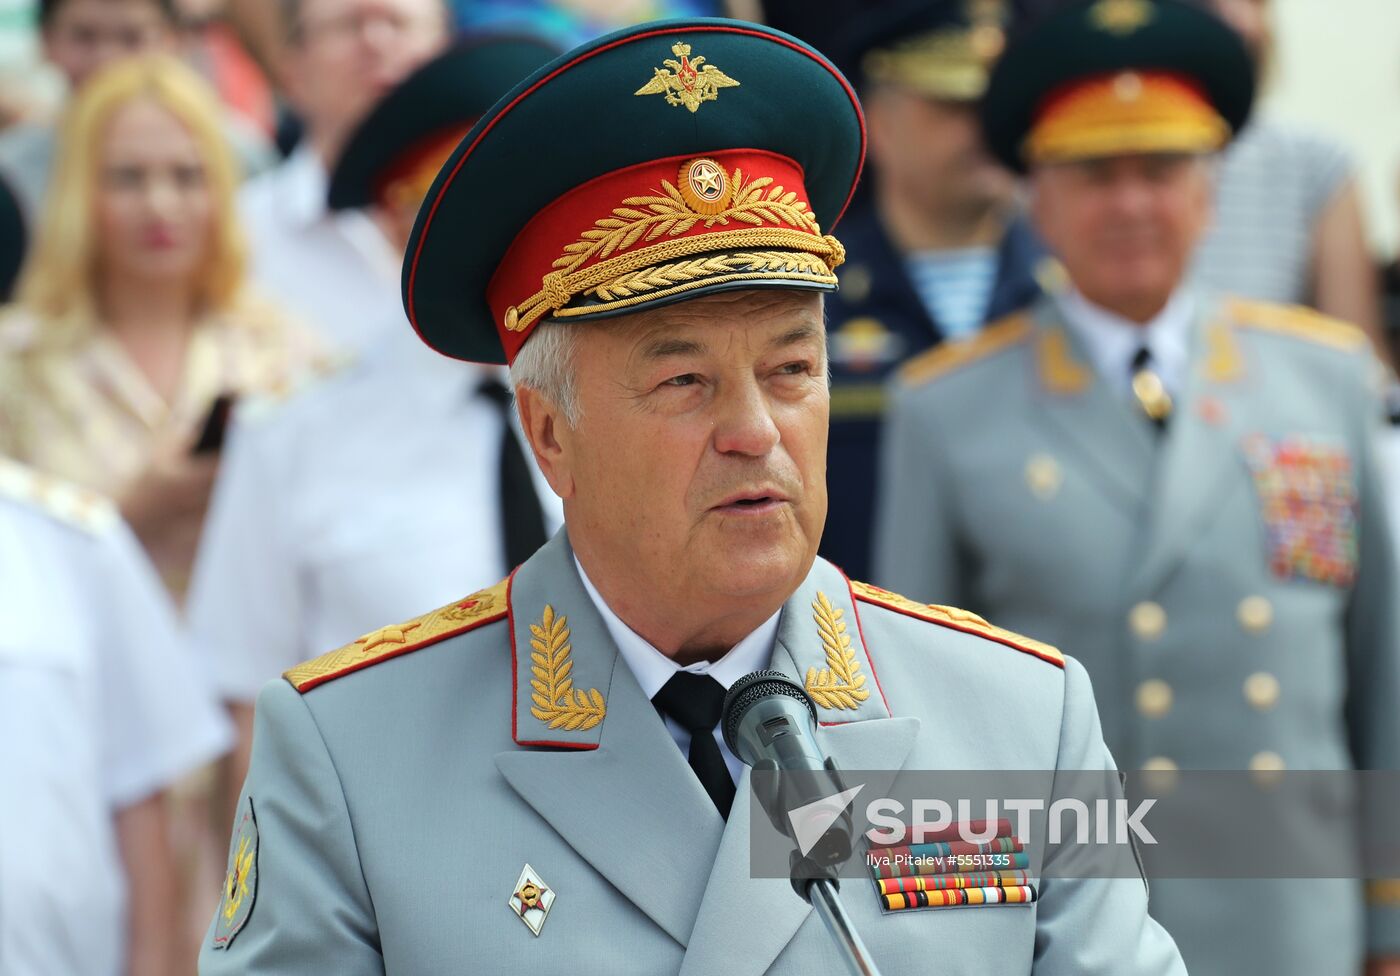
pixel 855 610
pixel 966 630
pixel 390 655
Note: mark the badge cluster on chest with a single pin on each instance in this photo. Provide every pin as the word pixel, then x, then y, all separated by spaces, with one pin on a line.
pixel 1308 500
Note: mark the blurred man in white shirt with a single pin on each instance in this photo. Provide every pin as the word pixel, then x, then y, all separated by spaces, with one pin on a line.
pixel 335 271
pixel 101 710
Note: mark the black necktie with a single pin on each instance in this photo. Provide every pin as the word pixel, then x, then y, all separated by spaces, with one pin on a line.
pixel 1149 389
pixel 522 518
pixel 694 701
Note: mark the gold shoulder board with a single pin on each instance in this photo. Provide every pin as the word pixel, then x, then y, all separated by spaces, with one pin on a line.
pixel 952 617
pixel 1297 321
pixel 949 356
pixel 1383 891
pixel 60 499
pixel 479 609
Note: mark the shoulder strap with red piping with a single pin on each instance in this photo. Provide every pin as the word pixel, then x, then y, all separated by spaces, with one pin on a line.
pixel 955 619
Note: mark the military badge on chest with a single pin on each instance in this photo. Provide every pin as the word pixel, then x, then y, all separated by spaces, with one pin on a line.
pixel 532 899
pixel 1307 496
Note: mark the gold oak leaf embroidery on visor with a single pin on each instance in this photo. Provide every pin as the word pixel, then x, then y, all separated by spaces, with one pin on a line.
pixel 556 701
pixel 772 217
pixel 712 269
pixel 839 685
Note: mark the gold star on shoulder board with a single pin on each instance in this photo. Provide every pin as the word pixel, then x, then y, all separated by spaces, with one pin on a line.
pixel 393 634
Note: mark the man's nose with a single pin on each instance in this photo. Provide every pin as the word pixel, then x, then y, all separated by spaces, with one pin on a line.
pixel 1132 197
pixel 744 420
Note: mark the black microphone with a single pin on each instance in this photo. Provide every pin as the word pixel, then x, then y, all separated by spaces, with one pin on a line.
pixel 767 715
pixel 770 723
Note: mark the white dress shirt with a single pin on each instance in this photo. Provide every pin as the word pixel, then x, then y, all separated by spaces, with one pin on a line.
pixel 101 705
pixel 364 501
pixel 335 271
pixel 1112 341
pixel 653 669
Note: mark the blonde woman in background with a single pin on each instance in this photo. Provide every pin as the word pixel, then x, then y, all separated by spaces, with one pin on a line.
pixel 132 320
pixel 132 315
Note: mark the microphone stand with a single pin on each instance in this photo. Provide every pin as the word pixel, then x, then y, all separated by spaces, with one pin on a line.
pixel 822 893
pixel 815 877
pixel 762 726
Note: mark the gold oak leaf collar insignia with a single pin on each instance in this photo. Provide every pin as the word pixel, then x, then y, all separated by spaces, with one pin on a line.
pixel 688 81
pixel 839 685
pixel 556 701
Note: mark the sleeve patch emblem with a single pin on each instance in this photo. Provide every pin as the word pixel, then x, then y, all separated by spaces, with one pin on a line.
pixel 241 883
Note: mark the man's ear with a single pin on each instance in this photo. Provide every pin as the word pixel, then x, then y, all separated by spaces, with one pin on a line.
pixel 549 436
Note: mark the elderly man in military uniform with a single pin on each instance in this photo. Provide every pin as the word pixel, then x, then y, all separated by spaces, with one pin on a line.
pixel 528 779
pixel 939 244
pixel 1182 487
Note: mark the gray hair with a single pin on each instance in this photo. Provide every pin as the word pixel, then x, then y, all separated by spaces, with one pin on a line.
pixel 546 365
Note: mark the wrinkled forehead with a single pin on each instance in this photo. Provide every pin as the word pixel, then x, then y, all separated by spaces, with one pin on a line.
pixel 1155 167
pixel 755 321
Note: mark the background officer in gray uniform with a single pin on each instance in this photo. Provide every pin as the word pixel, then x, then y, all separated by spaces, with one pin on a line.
pixel 939 245
pixel 497 785
pixel 1182 488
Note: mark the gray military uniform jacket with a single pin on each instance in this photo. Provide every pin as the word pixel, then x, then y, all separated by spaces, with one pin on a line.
pixel 1229 583
pixel 390 809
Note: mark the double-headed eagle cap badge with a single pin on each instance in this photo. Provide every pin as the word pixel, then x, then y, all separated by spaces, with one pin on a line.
pixel 688 81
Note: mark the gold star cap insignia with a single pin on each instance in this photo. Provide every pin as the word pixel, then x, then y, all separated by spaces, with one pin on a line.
pixel 704 186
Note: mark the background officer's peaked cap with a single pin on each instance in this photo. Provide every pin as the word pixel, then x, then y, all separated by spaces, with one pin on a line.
pixel 423 118
pixel 1112 77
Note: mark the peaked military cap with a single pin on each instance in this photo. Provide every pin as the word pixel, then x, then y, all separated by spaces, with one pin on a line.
pixel 420 121
pixel 12 240
pixel 1114 77
pixel 658 163
pixel 944 49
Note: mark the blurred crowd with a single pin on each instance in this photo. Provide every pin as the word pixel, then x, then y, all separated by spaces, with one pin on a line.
pixel 223 451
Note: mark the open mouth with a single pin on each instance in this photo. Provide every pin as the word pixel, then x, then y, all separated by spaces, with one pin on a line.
pixel 752 504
